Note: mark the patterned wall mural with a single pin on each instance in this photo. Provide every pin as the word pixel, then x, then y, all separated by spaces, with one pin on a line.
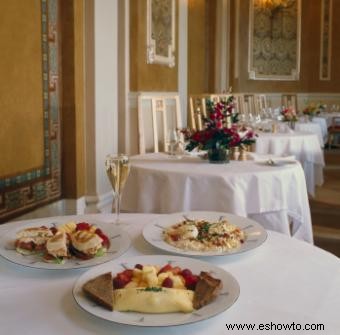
pixel 274 40
pixel 21 192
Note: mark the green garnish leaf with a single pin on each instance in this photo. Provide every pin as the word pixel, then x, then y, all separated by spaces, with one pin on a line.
pixel 101 252
pixel 152 289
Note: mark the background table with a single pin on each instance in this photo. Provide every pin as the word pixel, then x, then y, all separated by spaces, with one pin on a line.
pixel 314 128
pixel 282 281
pixel 159 183
pixel 322 122
pixel 305 147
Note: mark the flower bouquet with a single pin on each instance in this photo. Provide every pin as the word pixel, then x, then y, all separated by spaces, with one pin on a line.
pixel 313 109
pixel 289 115
pixel 220 132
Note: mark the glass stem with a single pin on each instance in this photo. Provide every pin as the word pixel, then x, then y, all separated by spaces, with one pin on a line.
pixel 118 198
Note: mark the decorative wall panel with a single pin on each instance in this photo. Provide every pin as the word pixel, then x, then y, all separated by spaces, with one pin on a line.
pixel 274 40
pixel 161 31
pixel 34 186
pixel 326 40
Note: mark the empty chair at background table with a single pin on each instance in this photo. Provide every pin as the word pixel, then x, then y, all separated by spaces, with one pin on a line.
pixel 156 116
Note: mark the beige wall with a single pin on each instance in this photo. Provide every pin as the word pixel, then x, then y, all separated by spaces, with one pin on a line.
pixel 310 53
pixel 143 76
pixel 21 134
pixel 201 45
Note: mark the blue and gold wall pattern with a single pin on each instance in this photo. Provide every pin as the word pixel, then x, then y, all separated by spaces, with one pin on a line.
pixel 30 189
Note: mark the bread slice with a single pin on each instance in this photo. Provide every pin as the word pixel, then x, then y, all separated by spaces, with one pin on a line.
pixel 100 290
pixel 207 289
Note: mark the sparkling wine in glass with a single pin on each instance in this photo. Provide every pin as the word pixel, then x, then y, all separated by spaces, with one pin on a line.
pixel 117 170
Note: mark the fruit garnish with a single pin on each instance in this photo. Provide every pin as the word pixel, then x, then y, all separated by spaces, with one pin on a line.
pixel 83 226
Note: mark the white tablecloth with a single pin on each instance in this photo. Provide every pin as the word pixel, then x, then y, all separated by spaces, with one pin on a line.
pixel 328 117
pixel 312 127
pixel 159 183
pixel 306 149
pixel 323 125
pixel 283 281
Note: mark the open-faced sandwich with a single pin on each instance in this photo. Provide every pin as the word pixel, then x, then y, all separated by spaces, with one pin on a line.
pixel 88 241
pixel 150 289
pixel 57 248
pixel 32 240
pixel 56 244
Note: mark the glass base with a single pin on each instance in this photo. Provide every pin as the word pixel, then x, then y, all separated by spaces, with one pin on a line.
pixel 218 156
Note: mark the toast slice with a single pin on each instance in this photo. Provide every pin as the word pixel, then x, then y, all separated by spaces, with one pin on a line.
pixel 207 289
pixel 100 290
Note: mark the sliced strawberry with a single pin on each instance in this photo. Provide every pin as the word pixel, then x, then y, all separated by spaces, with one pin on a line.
pixel 191 281
pixel 167 282
pixel 186 273
pixel 118 283
pixel 176 270
pixel 106 240
pixel 83 226
pixel 165 268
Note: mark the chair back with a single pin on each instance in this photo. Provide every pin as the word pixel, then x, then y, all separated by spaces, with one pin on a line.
pixel 289 100
pixel 246 104
pixel 261 103
pixel 198 108
pixel 156 116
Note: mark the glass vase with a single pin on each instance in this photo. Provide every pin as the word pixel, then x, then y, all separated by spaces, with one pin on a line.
pixel 218 155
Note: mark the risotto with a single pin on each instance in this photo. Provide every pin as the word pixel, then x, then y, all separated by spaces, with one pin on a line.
pixel 202 235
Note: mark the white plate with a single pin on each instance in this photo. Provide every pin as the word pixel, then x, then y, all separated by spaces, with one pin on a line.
pixel 255 233
pixel 120 242
pixel 227 298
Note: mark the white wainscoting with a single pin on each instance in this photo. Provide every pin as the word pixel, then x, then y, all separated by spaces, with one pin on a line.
pixel 329 99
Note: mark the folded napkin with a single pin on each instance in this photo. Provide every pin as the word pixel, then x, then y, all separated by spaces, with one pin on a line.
pixel 267 158
pixel 196 153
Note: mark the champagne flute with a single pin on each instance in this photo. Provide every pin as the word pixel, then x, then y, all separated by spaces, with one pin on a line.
pixel 117 170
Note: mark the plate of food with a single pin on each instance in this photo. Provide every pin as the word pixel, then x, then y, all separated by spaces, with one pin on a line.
pixel 64 245
pixel 156 291
pixel 204 233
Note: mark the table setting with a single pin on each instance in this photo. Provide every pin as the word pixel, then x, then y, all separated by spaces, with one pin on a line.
pixel 274 195
pixel 194 243
pixel 279 269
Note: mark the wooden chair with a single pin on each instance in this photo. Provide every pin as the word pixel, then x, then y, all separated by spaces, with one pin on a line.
pixel 334 133
pixel 198 108
pixel 261 103
pixel 289 100
pixel 246 104
pixel 156 116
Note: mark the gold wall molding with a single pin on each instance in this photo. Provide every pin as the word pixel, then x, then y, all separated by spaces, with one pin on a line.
pixel 326 39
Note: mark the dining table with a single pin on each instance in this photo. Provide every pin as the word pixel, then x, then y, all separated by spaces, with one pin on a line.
pixel 284 283
pixel 275 195
pixel 313 127
pixel 304 146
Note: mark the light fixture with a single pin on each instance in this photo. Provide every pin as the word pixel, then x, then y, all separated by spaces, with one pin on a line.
pixel 274 5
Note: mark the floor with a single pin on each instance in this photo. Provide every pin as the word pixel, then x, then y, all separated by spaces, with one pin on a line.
pixel 325 207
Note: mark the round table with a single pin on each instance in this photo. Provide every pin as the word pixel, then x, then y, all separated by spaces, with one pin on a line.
pixel 284 281
pixel 312 127
pixel 304 146
pixel 275 196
